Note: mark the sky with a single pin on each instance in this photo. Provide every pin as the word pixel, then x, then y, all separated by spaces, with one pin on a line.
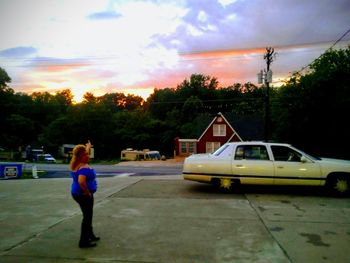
pixel 129 46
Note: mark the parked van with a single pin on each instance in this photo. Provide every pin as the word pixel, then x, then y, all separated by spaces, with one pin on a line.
pixel 138 155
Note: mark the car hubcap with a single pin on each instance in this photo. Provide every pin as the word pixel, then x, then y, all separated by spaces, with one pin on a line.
pixel 225 183
pixel 342 186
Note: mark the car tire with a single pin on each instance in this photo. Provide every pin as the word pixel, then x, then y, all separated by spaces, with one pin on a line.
pixel 339 185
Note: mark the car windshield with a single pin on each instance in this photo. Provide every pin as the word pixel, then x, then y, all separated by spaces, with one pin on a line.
pixel 221 150
pixel 310 156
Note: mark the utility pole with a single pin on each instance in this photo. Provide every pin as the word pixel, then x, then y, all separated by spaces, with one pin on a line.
pixel 266 78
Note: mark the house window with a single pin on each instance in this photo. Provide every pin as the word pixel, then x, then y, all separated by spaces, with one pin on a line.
pixel 188 147
pixel 211 146
pixel 219 130
pixel 183 147
pixel 191 147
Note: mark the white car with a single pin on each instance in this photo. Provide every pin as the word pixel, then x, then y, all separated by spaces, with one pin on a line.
pixel 267 163
pixel 47 158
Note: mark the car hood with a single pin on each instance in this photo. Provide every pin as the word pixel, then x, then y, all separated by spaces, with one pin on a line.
pixel 335 163
pixel 198 156
pixel 195 158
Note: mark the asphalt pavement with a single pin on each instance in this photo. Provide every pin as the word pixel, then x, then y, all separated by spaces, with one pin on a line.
pixel 131 168
pixel 167 219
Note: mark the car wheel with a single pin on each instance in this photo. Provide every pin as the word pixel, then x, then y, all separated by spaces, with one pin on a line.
pixel 339 185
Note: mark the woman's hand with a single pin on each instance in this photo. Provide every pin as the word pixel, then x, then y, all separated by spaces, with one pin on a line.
pixel 88 146
pixel 83 185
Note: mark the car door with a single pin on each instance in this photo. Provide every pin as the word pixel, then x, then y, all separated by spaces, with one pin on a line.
pixel 290 168
pixel 252 164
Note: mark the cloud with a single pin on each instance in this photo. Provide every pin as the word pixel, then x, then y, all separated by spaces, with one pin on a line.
pixel 48 64
pixel 103 15
pixel 19 52
pixel 250 24
pixel 87 44
pixel 225 3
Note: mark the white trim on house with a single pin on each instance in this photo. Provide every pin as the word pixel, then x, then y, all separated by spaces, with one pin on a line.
pixel 222 116
pixel 200 137
pixel 188 140
pixel 234 133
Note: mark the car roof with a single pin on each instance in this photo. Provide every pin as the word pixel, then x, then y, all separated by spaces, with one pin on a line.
pixel 260 143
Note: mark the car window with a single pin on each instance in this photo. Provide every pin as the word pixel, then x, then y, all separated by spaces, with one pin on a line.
pixel 224 150
pixel 251 152
pixel 285 154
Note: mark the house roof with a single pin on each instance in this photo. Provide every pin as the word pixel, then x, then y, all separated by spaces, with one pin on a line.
pixel 222 116
pixel 248 127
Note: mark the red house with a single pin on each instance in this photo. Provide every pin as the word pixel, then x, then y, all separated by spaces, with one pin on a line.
pixel 218 132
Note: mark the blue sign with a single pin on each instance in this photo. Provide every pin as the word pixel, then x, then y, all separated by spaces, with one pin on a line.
pixel 10 170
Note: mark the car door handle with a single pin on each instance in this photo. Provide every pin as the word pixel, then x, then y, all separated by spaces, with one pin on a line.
pixel 280 167
pixel 239 165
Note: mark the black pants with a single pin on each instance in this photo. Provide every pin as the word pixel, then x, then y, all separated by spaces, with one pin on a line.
pixel 86 204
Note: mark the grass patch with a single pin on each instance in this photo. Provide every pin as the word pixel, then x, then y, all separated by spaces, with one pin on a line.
pixel 27 174
pixel 107 162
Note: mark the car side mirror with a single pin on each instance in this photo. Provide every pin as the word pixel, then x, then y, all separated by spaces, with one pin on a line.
pixel 303 159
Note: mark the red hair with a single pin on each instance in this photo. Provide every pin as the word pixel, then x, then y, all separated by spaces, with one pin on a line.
pixel 78 152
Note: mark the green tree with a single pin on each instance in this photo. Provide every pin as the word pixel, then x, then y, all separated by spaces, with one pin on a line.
pixel 311 110
pixel 64 99
pixel 89 98
pixel 4 80
pixel 162 101
pixel 191 108
pixel 20 131
pixel 120 101
pixel 58 132
pixel 204 87
pixel 7 100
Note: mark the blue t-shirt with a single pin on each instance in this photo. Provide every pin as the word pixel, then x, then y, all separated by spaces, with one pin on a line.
pixel 91 182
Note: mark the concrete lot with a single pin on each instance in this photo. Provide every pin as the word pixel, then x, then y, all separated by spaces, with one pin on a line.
pixel 167 219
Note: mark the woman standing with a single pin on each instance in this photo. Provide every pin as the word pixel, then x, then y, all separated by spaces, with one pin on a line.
pixel 83 188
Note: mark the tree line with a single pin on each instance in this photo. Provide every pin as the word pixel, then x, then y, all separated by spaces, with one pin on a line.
pixel 309 110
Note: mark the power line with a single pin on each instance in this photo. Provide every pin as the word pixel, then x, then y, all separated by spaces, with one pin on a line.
pixel 104 60
pixel 206 101
pixel 336 42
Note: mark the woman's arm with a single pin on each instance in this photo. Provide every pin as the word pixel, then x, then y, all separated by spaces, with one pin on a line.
pixel 88 146
pixel 83 185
